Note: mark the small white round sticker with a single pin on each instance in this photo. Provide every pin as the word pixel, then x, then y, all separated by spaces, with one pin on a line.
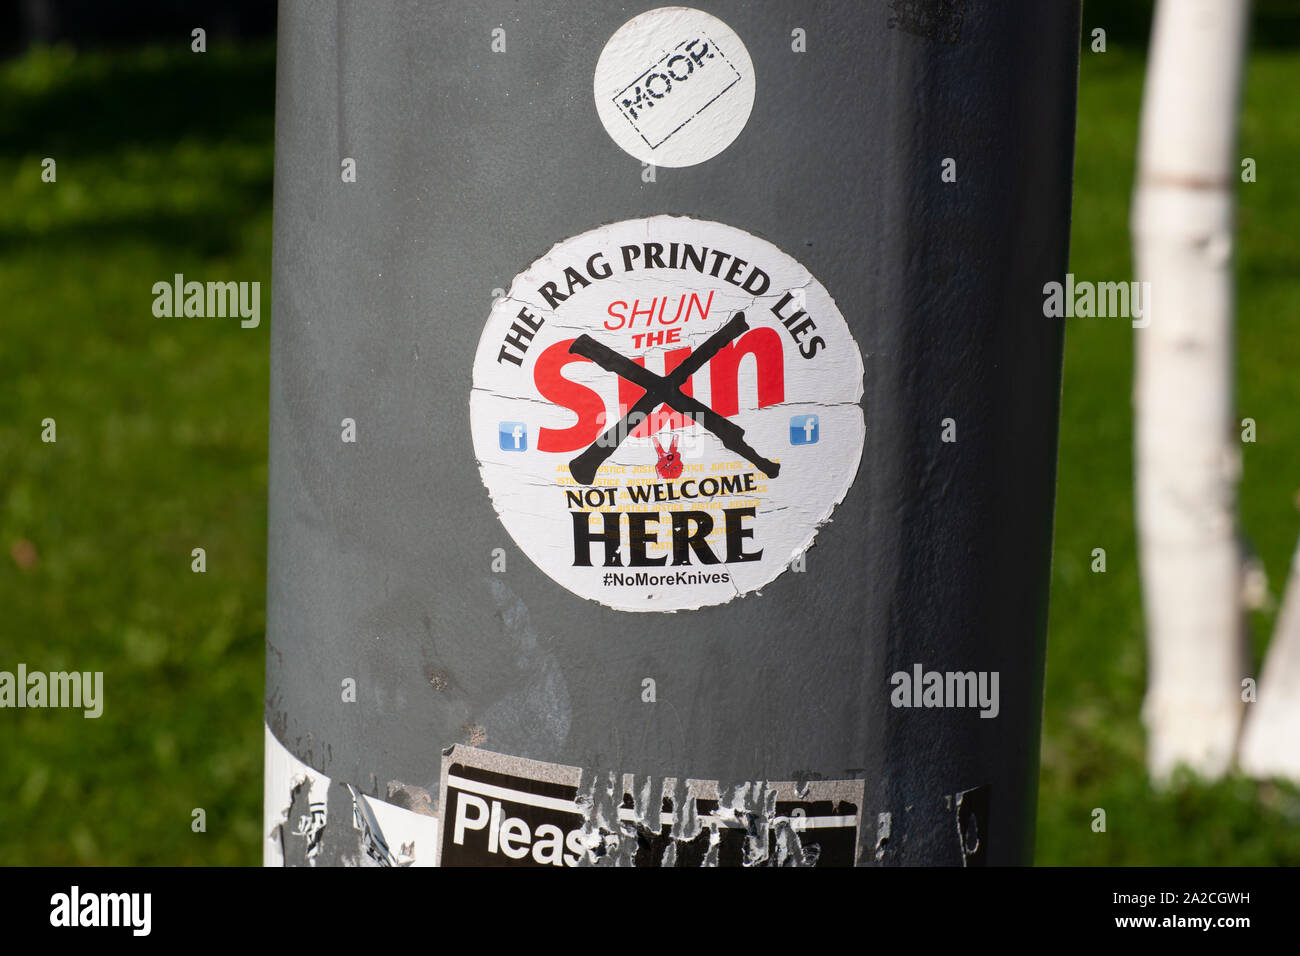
pixel 664 411
pixel 674 86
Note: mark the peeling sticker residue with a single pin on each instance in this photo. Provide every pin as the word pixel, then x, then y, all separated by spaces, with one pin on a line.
pixel 936 19
pixel 973 825
pixel 294 806
pixel 307 819
pixel 311 824
pixel 532 709
pixel 665 411
pixel 410 797
pixel 372 834
pixel 504 810
pixel 884 826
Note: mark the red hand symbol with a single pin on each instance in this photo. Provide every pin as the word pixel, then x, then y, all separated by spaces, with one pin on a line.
pixel 669 465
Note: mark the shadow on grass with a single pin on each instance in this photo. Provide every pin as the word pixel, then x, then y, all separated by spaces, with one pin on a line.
pixel 94 111
pixel 206 232
pixel 1274 24
pixel 102 102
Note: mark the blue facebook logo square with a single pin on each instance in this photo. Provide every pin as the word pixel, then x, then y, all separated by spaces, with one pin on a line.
pixel 514 436
pixel 803 430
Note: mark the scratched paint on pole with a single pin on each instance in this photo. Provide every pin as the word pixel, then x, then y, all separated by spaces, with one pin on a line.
pixel 665 411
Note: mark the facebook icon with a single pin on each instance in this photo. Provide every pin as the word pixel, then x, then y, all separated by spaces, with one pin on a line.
pixel 514 436
pixel 803 430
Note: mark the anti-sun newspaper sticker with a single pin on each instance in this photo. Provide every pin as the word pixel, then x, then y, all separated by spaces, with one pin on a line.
pixel 665 411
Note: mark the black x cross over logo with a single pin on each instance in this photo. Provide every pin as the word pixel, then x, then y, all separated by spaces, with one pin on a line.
pixel 664 390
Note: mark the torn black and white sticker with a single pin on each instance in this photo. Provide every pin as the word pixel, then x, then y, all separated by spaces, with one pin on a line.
pixel 509 811
pixel 312 820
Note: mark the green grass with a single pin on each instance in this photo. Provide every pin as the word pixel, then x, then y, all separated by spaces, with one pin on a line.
pixel 1092 754
pixel 164 165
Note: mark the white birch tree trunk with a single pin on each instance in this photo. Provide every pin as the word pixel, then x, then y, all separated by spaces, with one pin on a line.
pixel 1187 445
pixel 1270 745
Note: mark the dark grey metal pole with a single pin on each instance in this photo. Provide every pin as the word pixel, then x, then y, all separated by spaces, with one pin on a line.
pixel 663 430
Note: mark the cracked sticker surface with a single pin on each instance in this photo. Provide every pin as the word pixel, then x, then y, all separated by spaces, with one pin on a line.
pixel 665 411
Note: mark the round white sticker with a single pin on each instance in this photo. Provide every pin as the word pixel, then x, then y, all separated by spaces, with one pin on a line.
pixel 674 86
pixel 664 411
